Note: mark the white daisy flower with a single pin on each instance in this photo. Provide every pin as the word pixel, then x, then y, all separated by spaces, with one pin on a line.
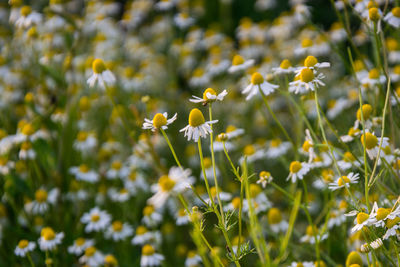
pixel 26 151
pixel 393 17
pixel 351 134
pixel 120 195
pixel 101 75
pixel 303 264
pixel 49 239
pixel 348 161
pixel 277 148
pixel 6 165
pixel 181 217
pixel 149 257
pixel 383 214
pixel 192 259
pixel 28 17
pixel 298 170
pixel 80 245
pixel 258 83
pixel 24 247
pixel 143 236
pixel 85 142
pixel 363 219
pixel 336 219
pixel 265 178
pixel 233 132
pixel 83 173
pixel 95 220
pixel 135 182
pixel 197 126
pixel 372 143
pixel 374 78
pixel 42 200
pixel 209 95
pixel 117 170
pixel 284 68
pixel 92 257
pixel 239 64
pixel 344 181
pixel 393 225
pixel 306 81
pixel 151 217
pixel 276 222
pixel 183 20
pixel 175 182
pixel 118 231
pixel 160 121
pixel 309 236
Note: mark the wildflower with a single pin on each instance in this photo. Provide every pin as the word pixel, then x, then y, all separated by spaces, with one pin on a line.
pixel 344 181
pixel 110 261
pixel 232 132
pixel 277 148
pixel 181 217
pixel 383 214
pixel 80 245
pixel 308 147
pixel 118 231
pixel 92 257
pixel 258 83
pixel 252 153
pixel 143 236
pixel 192 259
pixel 197 126
pixel 150 257
pixel 175 182
pixel 183 20
pixel 151 217
pixel 119 195
pixel 42 200
pixel 298 170
pixel 27 151
pixel 83 173
pixel 239 64
pixel 261 202
pixel 160 121
pixel 362 219
pixel 309 236
pixel 276 222
pixel 85 142
pixel 351 134
pixel 28 17
pixel 24 247
pixel 348 161
pixel 372 143
pixel 117 170
pixel 95 220
pixel 209 170
pixel 49 239
pixel 209 95
pixel 306 81
pixel 354 258
pixel 264 178
pixel 101 74
pixel 374 78
pixel 392 226
pixel 284 68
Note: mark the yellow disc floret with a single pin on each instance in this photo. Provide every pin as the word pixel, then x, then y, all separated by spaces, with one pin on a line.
pixel 373 13
pixel 343 180
pixel 285 64
pixel 237 60
pixel 41 196
pixel 295 167
pixel 257 78
pixel 98 66
pixel 166 183
pixel 369 140
pixel 208 90
pixel 47 233
pixel 196 118
pixel 310 61
pixel 23 244
pixel 147 250
pixel 274 216
pixel 306 75
pixel 396 12
pixel 366 112
pixel 159 120
pixel 362 217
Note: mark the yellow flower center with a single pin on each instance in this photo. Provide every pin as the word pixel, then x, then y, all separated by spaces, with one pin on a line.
pixel 83 168
pixel 98 66
pixel 237 60
pixel 396 70
pixel 306 42
pixel 110 260
pixel 90 251
pixel 166 183
pixel 117 226
pixel 310 230
pixel 230 128
pixel 132 176
pixel 374 14
pixel 392 222
pixel 147 250
pixel 249 150
pixel 159 120
pixel 299 264
pixel 255 190
pixel 140 230
pixel 47 233
pixel 28 129
pixel 264 174
pixel 369 140
pixel 80 241
pixel 327 175
pixel 207 162
pixel 307 145
pixel 196 118
pixel 295 166
pixel 353 259
pixel 396 12
pixel 208 90
pixel 306 75
pixel 343 180
pixel 352 131
pixel 82 136
pixel 25 11
pixel 116 165
pixel 23 244
pixel 310 61
pixel 285 64
pixel 348 157
pixel 373 74
pixel 275 142
pixel 95 218
pixel 366 112
pixel 382 213
pixel 182 212
pixel 148 210
pixel 274 216
pixel 257 78
pixel 26 146
pixel 236 202
pixel 41 196
pixel 84 103
pixel 362 217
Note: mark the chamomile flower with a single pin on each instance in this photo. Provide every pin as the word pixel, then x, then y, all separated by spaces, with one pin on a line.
pixel 277 148
pixel 26 151
pixel 348 161
pixel 265 178
pixel 151 217
pixel 117 170
pixel 181 217
pixel 28 17
pixel 309 236
pixel 192 259
pixel 118 231
pixel 306 81
pixel 344 181
pixel 383 214
pixel 6 165
pixel 298 170
pixel 239 64
pixel 209 96
pixel 96 220
pixel 372 143
pixel 92 257
pixel 276 222
pixel 24 247
pixel 49 239
pixel 119 195
pixel 183 20
pixel 174 183
pixel 83 173
pixel 160 121
pixel 260 200
pixel 101 75
pixel 373 79
pixel 42 200
pixel 149 257
pixel 85 142
pixel 258 83
pixel 197 126
pixel 233 132
pixel 284 68
pixel 362 219
pixel 143 236
pixel 393 17
pixel 392 225
pixel 351 134
pixel 80 245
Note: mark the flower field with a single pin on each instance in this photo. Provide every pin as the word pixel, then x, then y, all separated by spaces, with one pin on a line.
pixel 200 133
